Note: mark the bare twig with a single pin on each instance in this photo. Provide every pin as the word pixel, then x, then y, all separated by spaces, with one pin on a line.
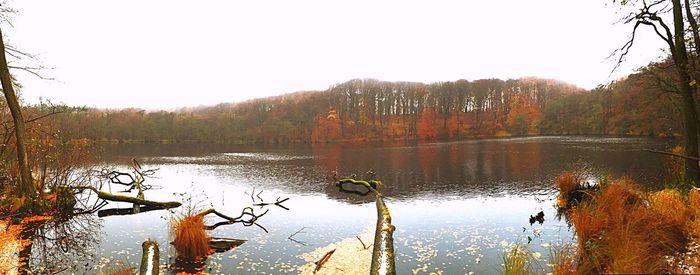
pixel 33 71
pixel 278 202
pixel 262 202
pixel 363 243
pixel 291 237
pixel 247 218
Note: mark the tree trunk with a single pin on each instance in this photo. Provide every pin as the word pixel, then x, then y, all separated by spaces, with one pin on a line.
pixel 690 116
pixel 26 186
pixel 383 252
pixel 150 258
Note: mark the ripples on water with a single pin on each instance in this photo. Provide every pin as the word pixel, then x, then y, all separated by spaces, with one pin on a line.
pixel 454 204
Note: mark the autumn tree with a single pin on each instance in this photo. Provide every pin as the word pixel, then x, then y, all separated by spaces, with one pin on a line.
pixel 674 36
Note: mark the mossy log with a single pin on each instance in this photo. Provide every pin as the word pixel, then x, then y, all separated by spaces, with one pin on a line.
pixel 383 252
pixel 121 198
pixel 150 259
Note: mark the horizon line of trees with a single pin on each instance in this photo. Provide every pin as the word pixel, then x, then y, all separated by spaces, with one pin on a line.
pixel 371 110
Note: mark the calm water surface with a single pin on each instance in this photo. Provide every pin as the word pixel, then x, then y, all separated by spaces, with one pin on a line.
pixel 455 205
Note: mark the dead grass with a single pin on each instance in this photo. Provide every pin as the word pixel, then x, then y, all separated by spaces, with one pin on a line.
pixel 694 213
pixel 622 229
pixel 563 259
pixel 191 240
pixel 670 205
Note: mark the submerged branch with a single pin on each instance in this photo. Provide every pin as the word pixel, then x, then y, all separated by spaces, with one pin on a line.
pixel 291 237
pixel 672 154
pixel 247 218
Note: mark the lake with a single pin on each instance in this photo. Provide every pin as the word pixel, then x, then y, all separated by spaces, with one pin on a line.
pixel 455 205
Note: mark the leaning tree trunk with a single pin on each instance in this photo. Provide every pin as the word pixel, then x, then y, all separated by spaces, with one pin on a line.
pixel 26 187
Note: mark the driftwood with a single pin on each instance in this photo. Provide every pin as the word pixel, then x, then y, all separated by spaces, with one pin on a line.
pixel 221 245
pixel 125 211
pixel 672 154
pixel 383 252
pixel 150 259
pixel 359 187
pixel 323 260
pixel 121 198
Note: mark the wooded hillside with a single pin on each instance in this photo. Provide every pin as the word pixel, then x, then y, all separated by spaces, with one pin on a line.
pixel 370 110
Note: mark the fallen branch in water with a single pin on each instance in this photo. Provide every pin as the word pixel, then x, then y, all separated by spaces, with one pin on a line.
pixel 671 154
pixel 383 252
pixel 247 218
pixel 262 202
pixel 121 198
pixel 278 202
pixel 291 237
pixel 125 211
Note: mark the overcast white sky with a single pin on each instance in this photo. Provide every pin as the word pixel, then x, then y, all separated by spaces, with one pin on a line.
pixel 165 54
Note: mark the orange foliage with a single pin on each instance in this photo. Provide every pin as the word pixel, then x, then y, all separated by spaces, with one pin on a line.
pixel 523 106
pixel 191 240
pixel 9 245
pixel 327 127
pixel 427 128
pixel 11 242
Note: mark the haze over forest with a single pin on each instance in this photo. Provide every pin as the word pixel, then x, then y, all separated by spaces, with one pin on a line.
pixel 235 51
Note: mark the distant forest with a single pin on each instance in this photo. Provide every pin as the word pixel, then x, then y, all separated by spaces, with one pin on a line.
pixel 371 110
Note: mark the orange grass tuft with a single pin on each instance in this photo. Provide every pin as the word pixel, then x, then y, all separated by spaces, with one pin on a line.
pixel 693 225
pixel 621 231
pixel 191 240
pixel 670 205
pixel 568 184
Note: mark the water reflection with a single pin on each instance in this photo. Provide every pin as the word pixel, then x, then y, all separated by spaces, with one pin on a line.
pixel 453 204
pixel 63 244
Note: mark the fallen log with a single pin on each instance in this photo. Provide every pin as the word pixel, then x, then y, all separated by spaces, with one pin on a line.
pixel 121 198
pixel 383 252
pixel 150 259
pixel 125 211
